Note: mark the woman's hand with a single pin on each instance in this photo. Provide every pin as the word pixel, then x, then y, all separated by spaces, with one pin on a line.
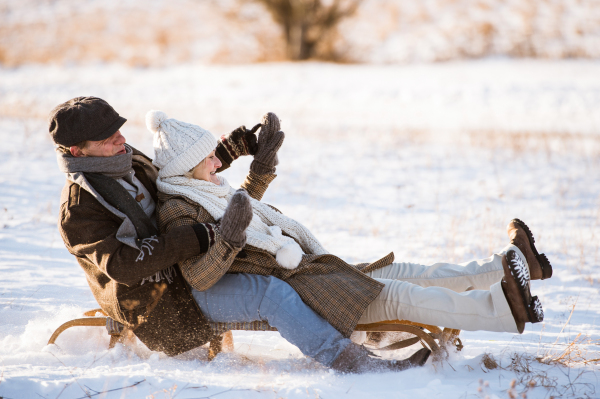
pixel 238 143
pixel 236 219
pixel 270 140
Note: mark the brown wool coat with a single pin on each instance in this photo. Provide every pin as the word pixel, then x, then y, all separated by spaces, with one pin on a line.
pixel 337 291
pixel 114 274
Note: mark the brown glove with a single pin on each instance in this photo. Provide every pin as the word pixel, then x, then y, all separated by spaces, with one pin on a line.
pixel 236 219
pixel 270 140
pixel 236 144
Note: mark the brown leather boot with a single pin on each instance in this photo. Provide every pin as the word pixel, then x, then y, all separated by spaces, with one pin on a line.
pixel 520 235
pixel 515 285
pixel 358 359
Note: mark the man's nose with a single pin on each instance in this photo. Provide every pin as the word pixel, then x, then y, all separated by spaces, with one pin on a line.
pixel 120 139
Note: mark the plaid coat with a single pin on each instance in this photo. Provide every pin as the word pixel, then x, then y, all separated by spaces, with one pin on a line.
pixel 337 291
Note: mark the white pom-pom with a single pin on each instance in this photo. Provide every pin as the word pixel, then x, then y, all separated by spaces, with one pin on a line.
pixel 289 256
pixel 154 119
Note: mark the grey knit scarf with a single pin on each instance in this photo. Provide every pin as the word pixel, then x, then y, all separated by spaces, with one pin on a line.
pixel 76 169
pixel 115 166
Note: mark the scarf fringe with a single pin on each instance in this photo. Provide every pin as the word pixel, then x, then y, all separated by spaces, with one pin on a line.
pixel 166 274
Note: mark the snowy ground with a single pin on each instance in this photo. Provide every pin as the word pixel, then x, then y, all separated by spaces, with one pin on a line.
pixel 427 161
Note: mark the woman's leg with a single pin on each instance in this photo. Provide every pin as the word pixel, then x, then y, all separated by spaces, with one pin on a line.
pixel 477 274
pixel 471 311
pixel 250 297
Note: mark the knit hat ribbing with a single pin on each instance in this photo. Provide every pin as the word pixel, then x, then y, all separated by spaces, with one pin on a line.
pixel 178 146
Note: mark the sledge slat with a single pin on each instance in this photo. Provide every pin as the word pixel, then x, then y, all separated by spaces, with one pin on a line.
pixel 399 345
pixel 92 313
pixel 383 327
pixel 87 321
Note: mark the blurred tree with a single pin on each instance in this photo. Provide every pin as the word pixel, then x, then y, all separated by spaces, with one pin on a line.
pixel 307 24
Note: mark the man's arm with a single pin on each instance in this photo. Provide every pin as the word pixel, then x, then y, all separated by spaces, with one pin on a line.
pixel 89 231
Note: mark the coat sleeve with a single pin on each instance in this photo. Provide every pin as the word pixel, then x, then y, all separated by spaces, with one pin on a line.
pixel 256 185
pixel 90 232
pixel 204 270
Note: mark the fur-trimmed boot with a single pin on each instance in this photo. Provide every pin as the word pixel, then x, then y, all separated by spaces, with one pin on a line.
pixel 357 359
pixel 515 284
pixel 520 236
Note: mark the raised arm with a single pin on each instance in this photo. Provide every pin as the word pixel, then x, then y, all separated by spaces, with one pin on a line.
pixel 262 169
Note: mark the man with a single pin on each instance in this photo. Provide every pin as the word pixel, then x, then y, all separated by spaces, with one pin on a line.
pixel 107 221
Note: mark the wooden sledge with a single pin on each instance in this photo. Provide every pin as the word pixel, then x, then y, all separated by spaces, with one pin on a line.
pixel 432 337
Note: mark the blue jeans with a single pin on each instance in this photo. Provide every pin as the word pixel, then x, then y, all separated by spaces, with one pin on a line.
pixel 250 297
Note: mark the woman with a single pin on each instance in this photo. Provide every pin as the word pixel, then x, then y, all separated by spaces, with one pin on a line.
pixel 246 236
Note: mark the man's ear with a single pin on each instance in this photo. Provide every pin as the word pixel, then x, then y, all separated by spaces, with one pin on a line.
pixel 76 152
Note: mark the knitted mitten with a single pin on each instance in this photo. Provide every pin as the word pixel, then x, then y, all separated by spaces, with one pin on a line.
pixel 236 144
pixel 236 219
pixel 270 140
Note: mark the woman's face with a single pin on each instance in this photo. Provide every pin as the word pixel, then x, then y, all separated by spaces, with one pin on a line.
pixel 206 169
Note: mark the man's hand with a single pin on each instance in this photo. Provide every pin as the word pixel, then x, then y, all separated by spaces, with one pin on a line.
pixel 236 144
pixel 270 140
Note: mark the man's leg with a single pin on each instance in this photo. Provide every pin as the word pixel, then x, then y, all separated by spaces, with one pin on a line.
pixel 249 297
pixel 471 311
pixel 477 274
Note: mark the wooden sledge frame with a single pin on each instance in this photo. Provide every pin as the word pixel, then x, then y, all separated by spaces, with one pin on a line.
pixel 426 334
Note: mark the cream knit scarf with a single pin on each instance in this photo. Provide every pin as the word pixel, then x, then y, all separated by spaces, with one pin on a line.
pixel 265 230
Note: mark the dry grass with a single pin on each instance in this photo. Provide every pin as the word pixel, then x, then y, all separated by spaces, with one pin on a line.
pixel 142 34
pixel 548 370
pixel 580 351
pixel 442 30
pixel 160 32
pixel 489 362
pixel 575 353
pixel 521 142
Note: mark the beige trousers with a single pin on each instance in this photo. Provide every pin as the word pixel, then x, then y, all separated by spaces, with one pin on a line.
pixel 437 295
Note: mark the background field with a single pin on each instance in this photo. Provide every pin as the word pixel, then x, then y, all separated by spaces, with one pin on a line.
pixel 390 153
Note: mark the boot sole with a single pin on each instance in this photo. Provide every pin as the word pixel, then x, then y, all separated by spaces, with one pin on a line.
pixel 541 258
pixel 520 274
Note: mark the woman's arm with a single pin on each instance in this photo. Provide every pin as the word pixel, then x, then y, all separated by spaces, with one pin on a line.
pixel 201 271
pixel 262 169
pixel 256 185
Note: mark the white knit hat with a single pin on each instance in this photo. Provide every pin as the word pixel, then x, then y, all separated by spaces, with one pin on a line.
pixel 178 146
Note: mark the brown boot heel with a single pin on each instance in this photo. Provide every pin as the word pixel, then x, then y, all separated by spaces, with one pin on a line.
pixel 538 263
pixel 546 267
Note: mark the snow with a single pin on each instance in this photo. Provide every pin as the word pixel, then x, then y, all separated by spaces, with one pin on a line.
pixel 428 161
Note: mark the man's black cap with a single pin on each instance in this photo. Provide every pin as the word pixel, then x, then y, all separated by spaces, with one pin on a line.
pixel 83 118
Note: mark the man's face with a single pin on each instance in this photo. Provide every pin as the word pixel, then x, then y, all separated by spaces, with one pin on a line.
pixel 114 145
